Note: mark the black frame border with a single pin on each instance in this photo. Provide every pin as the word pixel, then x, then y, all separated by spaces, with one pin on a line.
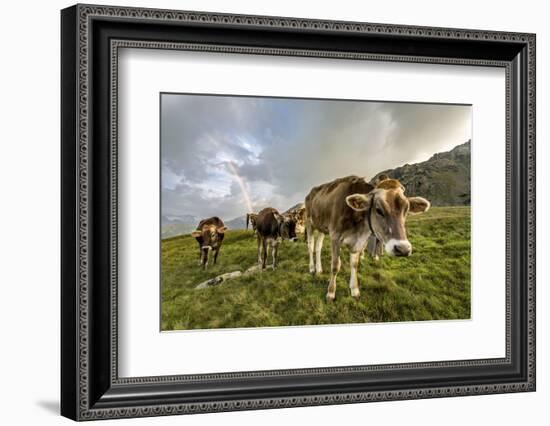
pixel 90 387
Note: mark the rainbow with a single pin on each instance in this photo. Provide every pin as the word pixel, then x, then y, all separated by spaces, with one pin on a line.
pixel 242 185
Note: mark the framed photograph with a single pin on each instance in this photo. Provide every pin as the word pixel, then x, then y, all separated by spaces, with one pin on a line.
pixel 263 212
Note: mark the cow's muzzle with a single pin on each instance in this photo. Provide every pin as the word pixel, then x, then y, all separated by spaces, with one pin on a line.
pixel 398 247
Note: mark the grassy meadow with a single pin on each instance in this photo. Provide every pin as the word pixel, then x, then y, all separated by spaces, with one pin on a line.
pixel 432 284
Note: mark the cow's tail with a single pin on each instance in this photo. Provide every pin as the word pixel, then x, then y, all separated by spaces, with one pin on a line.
pixel 247 220
pixel 306 219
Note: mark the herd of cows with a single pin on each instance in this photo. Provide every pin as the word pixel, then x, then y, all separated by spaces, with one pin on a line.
pixel 353 212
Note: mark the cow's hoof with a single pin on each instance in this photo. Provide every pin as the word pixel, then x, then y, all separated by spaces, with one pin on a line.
pixel 331 298
pixel 319 272
pixel 356 296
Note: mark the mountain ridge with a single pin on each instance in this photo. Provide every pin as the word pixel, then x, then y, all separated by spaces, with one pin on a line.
pixel 444 178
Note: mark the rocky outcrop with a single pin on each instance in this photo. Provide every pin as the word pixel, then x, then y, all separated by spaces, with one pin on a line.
pixel 444 179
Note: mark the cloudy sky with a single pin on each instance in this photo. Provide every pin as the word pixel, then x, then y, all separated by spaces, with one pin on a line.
pixel 225 156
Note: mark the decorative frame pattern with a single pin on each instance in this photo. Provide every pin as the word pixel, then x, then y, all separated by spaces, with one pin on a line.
pixel 87 405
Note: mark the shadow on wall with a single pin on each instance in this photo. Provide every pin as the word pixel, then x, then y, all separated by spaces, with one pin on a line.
pixel 50 406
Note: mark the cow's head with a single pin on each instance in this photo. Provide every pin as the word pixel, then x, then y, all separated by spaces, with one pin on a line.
pixel 386 209
pixel 287 227
pixel 208 237
pixel 251 218
pixel 298 216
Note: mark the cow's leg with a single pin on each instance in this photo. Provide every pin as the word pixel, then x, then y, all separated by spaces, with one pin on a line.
pixel 204 259
pixel 353 282
pixel 274 252
pixel 318 248
pixel 334 269
pixel 216 251
pixel 260 249
pixel 311 248
pixel 264 252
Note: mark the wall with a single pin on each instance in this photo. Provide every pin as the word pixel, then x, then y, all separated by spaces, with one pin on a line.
pixel 29 169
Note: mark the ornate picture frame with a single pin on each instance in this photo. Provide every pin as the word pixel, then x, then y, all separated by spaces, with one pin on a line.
pixel 91 37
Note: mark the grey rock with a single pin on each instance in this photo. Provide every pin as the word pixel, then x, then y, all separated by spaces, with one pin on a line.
pixel 444 179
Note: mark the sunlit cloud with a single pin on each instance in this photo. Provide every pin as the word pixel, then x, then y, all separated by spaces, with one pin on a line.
pixel 227 156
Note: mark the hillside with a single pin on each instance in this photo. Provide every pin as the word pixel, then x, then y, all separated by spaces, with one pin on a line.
pixel 432 284
pixel 444 179
pixel 237 223
pixel 172 226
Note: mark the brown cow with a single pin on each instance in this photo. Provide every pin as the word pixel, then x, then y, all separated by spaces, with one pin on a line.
pixel 251 218
pixel 350 210
pixel 209 235
pixel 272 228
pixel 297 214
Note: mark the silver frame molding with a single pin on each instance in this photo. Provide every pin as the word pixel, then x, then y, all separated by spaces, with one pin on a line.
pixel 91 388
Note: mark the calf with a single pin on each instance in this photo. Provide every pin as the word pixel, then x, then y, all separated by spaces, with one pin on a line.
pixel 209 234
pixel 350 210
pixel 272 228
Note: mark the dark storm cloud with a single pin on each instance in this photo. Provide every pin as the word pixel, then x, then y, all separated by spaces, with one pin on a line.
pixel 226 155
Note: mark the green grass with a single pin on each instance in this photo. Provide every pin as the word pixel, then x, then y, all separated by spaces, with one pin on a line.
pixel 432 284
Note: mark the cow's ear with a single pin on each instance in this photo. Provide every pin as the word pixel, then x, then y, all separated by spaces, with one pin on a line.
pixel 359 202
pixel 196 234
pixel 418 205
pixel 221 229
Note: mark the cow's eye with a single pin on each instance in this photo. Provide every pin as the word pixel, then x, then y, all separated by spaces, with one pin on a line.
pixel 380 211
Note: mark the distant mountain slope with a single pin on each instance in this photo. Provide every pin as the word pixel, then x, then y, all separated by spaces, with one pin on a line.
pixel 173 226
pixel 444 179
pixel 185 218
pixel 174 229
pixel 236 223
